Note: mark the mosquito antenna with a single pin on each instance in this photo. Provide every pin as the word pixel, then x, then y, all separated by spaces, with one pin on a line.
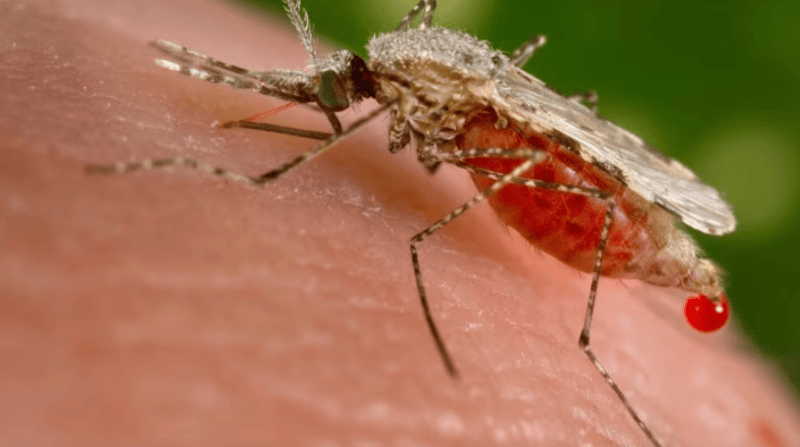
pixel 299 18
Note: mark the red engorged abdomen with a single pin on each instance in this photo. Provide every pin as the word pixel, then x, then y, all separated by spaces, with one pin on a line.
pixel 564 224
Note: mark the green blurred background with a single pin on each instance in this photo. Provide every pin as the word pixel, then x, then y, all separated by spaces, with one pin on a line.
pixel 713 84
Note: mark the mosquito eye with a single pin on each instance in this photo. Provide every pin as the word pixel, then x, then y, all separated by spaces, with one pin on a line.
pixel 331 93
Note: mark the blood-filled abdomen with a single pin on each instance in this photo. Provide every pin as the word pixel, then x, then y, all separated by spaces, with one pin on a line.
pixel 566 225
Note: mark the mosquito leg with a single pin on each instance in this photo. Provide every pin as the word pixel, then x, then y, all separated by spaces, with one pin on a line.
pixel 426 155
pixel 399 135
pixel 531 157
pixel 258 180
pixel 523 54
pixel 458 158
pixel 584 339
pixel 427 18
pixel 589 99
pixel 421 236
pixel 429 7
pixel 335 124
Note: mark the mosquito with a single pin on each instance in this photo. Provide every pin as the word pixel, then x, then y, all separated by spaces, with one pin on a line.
pixel 530 151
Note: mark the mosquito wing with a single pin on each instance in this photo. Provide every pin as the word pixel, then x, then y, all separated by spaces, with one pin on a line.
pixel 623 155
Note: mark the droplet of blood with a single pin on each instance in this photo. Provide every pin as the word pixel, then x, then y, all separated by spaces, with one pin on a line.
pixel 706 315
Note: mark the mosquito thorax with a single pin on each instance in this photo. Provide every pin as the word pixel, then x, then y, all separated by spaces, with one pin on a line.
pixel 459 52
pixel 436 75
pixel 342 80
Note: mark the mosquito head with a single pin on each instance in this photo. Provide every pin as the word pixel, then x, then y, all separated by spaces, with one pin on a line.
pixel 343 79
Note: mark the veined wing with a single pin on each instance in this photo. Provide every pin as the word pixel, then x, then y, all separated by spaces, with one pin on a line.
pixel 623 155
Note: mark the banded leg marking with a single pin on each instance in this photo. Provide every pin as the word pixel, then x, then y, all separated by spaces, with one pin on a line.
pixel 457 158
pixel 589 99
pixel 429 7
pixel 421 236
pixel 584 339
pixel 523 54
pixel 258 180
pixel 399 135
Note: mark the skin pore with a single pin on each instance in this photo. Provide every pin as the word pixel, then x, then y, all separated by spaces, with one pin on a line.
pixel 174 306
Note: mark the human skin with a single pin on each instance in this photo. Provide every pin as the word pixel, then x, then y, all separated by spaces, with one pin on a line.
pixel 176 307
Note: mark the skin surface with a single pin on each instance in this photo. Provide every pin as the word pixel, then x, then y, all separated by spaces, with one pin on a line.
pixel 176 307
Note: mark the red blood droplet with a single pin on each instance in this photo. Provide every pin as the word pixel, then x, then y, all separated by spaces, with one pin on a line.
pixel 705 315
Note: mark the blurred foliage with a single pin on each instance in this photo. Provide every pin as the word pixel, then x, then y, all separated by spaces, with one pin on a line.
pixel 714 84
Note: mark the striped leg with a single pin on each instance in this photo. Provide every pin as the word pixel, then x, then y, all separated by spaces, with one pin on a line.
pixel 531 157
pixel 421 236
pixel 523 54
pixel 428 157
pixel 399 134
pixel 589 99
pixel 429 6
pixel 259 180
pixel 584 339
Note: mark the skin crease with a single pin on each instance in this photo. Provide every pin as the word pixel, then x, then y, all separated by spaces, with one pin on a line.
pixel 173 306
